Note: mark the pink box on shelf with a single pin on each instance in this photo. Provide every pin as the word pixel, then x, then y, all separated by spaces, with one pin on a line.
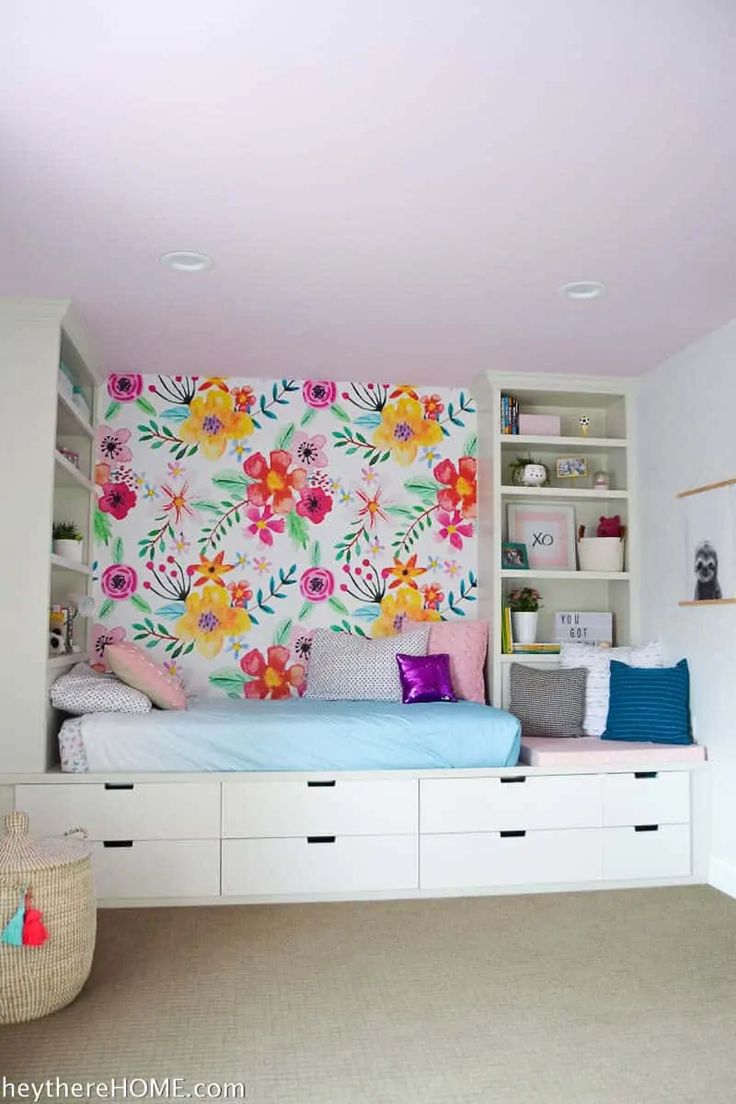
pixel 540 425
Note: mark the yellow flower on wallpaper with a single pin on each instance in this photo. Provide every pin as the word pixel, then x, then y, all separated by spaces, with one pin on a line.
pixel 209 618
pixel 404 429
pixel 212 422
pixel 404 604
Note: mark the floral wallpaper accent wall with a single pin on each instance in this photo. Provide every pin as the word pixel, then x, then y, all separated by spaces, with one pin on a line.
pixel 234 516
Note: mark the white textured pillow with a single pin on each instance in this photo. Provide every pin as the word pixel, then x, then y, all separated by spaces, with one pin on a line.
pixel 83 690
pixel 343 667
pixel 598 662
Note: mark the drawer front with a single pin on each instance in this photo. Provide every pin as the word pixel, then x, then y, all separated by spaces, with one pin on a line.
pixel 153 868
pixel 664 853
pixel 484 859
pixel 521 802
pixel 645 797
pixel 320 808
pixel 146 810
pixel 349 864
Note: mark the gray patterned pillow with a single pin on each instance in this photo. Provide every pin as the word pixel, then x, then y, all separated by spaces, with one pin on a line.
pixel 548 702
pixel 83 690
pixel 343 667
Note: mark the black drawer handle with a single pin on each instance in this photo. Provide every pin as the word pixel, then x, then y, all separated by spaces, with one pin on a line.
pixel 332 783
pixel 119 785
pixel 645 774
pixel 321 839
pixel 117 843
pixel 516 778
pixel 512 835
pixel 646 827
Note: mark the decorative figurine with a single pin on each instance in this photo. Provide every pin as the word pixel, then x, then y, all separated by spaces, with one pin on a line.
pixel 584 423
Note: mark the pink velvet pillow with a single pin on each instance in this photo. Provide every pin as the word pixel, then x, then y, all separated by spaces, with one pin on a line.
pixel 133 667
pixel 466 643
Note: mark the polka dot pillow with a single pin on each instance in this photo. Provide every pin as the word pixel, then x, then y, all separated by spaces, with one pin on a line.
pixel 83 690
pixel 135 668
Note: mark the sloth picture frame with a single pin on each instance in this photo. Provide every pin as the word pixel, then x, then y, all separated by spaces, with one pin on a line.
pixel 709 537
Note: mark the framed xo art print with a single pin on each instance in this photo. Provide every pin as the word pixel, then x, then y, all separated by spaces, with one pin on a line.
pixel 548 533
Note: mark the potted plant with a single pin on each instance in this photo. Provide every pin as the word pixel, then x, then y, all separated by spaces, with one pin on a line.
pixel 524 604
pixel 67 541
pixel 526 471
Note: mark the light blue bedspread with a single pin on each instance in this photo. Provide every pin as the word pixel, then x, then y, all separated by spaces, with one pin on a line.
pixel 302 735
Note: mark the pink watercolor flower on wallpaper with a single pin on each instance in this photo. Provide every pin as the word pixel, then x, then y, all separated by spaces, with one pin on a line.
pixel 272 480
pixel 119 581
pixel 117 499
pixel 308 450
pixel 453 528
pixel 124 388
pixel 263 524
pixel 319 393
pixel 317 584
pixel 270 677
pixel 112 445
pixel 100 638
pixel 314 504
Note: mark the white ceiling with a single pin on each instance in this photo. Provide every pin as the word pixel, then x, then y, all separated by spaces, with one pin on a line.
pixel 388 188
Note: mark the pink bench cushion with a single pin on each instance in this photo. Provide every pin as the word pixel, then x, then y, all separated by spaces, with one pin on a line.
pixel 591 751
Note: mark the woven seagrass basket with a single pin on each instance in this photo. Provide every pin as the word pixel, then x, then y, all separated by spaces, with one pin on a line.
pixel 35 981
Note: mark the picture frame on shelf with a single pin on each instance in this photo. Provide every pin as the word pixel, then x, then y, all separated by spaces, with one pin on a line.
pixel 514 556
pixel 548 533
pixel 571 467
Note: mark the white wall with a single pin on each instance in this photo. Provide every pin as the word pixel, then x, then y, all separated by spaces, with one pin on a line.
pixel 687 437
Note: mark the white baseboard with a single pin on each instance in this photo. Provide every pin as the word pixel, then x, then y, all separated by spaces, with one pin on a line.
pixel 722 875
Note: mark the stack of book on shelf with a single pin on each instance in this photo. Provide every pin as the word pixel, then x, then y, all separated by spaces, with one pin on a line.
pixel 509 414
pixel 509 648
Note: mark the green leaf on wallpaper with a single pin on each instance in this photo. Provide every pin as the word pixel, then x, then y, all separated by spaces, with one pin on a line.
pixel 369 421
pixel 368 613
pixel 112 410
pixel 285 437
pixel 426 489
pixel 403 513
pixel 106 608
pixel 229 680
pixel 315 556
pixel 297 529
pixel 471 445
pixel 309 414
pixel 175 413
pixel 283 632
pixel 118 555
pixel 337 605
pixel 144 405
pixel 305 611
pixel 231 482
pixel 340 413
pixel 140 603
pixel 102 527
pixel 208 507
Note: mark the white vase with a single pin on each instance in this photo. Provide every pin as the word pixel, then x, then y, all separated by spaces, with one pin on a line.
pixel 524 627
pixel 69 549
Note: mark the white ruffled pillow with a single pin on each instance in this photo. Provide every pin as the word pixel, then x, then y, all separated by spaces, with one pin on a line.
pixel 83 690
pixel 598 664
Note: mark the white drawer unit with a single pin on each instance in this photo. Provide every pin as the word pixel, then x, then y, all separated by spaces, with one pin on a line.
pixel 157 868
pixel 520 801
pixel 646 797
pixel 124 811
pixel 484 859
pixel 326 864
pixel 650 851
pixel 320 807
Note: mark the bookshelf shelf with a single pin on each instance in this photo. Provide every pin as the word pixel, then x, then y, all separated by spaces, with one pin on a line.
pixel 571 444
pixel 561 493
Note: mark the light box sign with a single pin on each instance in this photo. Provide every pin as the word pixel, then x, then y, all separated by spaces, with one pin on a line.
pixel 584 628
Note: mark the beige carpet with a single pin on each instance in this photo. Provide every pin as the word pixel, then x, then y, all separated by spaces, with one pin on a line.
pixel 601 997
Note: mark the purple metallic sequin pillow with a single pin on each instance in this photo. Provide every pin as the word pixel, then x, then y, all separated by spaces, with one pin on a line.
pixel 425 678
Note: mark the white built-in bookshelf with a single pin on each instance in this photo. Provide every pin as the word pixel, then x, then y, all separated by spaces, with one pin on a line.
pixel 608 447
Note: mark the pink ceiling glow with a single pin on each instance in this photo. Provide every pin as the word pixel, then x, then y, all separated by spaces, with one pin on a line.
pixel 388 188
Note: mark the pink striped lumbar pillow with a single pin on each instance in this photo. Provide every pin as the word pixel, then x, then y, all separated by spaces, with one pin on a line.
pixel 133 667
pixel 466 643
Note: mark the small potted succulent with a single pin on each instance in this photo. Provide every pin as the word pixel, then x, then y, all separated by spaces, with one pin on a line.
pixel 67 541
pixel 528 472
pixel 524 604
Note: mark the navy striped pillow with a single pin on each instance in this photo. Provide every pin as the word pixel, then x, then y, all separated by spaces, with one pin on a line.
pixel 649 704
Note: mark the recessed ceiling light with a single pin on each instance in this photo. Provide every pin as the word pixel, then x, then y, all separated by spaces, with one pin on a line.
pixel 185 260
pixel 583 289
